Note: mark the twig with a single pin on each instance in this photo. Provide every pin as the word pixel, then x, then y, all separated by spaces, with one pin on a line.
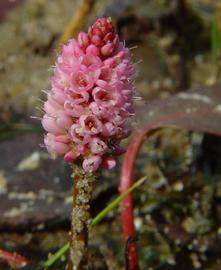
pixel 77 21
pixel 217 19
pixel 13 259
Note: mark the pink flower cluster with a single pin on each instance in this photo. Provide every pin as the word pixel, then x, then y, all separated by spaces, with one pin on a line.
pixel 90 98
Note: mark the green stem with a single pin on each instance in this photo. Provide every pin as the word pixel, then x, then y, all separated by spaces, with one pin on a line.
pixel 56 256
pixel 116 202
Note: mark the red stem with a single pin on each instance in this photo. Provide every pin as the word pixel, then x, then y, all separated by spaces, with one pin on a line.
pixel 127 215
pixel 13 259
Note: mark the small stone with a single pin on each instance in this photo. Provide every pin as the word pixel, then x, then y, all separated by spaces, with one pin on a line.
pixel 178 186
pixel 30 163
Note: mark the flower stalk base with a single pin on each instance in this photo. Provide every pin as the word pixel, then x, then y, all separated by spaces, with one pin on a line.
pixel 81 218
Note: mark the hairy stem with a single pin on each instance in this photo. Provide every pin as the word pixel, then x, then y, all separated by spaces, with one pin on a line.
pixel 81 218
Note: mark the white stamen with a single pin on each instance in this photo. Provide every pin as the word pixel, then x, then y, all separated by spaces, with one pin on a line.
pixel 38 99
pixel 42 145
pixel 138 98
pixel 134 47
pixel 35 117
pixel 138 62
pixel 45 91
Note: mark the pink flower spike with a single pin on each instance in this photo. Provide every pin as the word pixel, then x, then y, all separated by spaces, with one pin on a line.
pixel 91 97
pixel 109 163
pixel 91 164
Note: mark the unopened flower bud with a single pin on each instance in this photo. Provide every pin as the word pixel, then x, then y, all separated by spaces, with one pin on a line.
pixel 83 39
pixel 107 49
pixel 92 50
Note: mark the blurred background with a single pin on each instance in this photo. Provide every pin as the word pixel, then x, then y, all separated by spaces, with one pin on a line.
pixel 175 46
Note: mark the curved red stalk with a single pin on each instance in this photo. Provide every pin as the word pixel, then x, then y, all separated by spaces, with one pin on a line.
pixel 126 182
pixel 13 259
pixel 127 170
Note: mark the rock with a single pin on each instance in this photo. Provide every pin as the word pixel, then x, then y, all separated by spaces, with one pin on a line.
pixel 35 199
